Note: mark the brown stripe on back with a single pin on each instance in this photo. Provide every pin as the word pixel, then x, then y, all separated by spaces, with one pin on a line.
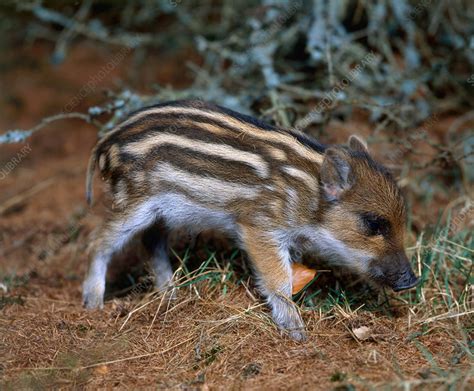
pixel 212 133
pixel 141 121
pixel 195 162
pixel 189 128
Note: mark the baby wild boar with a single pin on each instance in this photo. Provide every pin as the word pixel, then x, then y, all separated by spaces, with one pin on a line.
pixel 195 165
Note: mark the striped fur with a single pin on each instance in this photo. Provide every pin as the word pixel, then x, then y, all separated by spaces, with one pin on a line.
pixel 195 165
pixel 206 129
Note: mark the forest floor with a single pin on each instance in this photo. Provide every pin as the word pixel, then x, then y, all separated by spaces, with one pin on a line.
pixel 216 334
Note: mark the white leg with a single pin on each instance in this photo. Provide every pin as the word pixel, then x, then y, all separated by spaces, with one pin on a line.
pixel 93 288
pixel 115 235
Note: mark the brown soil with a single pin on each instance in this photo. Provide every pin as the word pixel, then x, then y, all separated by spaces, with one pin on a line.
pixel 205 341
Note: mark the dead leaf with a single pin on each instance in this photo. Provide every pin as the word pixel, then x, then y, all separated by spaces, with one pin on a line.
pixel 362 333
pixel 302 275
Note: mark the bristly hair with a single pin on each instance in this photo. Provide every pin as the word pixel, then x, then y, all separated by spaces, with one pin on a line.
pixel 378 167
pixel 373 164
pixel 303 138
pixel 308 141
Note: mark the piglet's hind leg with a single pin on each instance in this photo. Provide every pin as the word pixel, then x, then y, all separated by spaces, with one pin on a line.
pixel 155 240
pixel 115 235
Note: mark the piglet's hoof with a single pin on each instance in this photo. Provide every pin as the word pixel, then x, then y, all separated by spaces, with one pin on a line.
pixel 301 276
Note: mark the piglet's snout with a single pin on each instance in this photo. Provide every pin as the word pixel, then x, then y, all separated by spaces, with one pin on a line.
pixel 406 281
pixel 395 271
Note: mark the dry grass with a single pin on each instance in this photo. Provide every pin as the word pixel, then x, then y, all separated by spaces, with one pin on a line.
pixel 216 333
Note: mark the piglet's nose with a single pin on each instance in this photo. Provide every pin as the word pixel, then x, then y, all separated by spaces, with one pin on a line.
pixel 407 283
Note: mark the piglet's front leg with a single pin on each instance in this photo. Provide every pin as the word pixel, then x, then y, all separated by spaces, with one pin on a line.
pixel 274 276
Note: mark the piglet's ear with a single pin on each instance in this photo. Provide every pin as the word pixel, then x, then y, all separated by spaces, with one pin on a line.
pixel 336 174
pixel 357 144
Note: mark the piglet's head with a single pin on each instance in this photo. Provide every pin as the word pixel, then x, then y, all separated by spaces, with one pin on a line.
pixel 365 217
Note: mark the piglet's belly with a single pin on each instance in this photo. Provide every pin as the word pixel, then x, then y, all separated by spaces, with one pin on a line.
pixel 179 212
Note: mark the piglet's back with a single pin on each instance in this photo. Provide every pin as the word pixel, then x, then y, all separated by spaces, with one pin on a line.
pixel 213 156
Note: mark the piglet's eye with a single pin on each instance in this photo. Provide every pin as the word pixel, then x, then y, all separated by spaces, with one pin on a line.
pixel 375 225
